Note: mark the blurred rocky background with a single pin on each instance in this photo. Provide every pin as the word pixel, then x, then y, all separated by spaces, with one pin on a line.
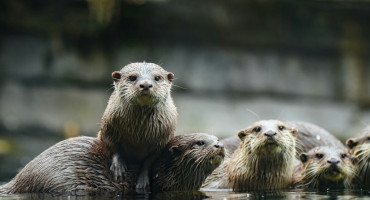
pixel 233 60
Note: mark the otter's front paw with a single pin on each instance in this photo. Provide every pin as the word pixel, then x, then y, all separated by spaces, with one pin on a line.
pixel 118 168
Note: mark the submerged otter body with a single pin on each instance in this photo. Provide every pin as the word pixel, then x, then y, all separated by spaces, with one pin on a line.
pixel 81 166
pixel 263 160
pixel 324 167
pixel 140 117
pixel 360 150
pixel 309 136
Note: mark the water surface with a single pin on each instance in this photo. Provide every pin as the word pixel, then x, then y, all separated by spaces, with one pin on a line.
pixel 215 194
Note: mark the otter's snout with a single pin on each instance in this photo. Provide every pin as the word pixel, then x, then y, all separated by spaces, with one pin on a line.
pixel 333 161
pixel 270 133
pixel 146 85
pixel 219 145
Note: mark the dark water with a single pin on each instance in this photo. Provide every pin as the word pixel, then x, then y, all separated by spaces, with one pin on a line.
pixel 216 194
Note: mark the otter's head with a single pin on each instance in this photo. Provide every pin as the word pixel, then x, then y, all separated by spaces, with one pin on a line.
pixel 267 137
pixel 144 83
pixel 187 161
pixel 327 167
pixel 360 150
pixel 198 150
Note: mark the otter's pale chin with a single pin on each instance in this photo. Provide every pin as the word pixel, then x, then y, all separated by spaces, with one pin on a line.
pixel 273 149
pixel 217 157
pixel 271 146
pixel 145 100
pixel 216 160
pixel 333 176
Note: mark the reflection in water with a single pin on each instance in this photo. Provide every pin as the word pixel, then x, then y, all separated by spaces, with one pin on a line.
pixel 214 194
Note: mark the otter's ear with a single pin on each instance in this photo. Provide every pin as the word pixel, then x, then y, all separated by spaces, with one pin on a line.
pixel 303 157
pixel 242 134
pixel 351 142
pixel 116 75
pixel 294 132
pixel 175 150
pixel 170 76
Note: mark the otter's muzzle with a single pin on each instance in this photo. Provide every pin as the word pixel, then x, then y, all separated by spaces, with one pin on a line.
pixel 219 145
pixel 333 161
pixel 218 153
pixel 270 134
pixel 145 85
pixel 334 165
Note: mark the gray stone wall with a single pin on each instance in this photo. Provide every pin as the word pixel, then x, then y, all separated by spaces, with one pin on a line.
pixel 215 88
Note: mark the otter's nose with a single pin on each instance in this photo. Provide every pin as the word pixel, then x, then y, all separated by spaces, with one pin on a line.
pixel 270 133
pixel 219 145
pixel 146 86
pixel 333 161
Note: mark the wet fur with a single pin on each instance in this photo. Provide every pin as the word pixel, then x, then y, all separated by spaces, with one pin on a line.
pixel 251 167
pixel 76 166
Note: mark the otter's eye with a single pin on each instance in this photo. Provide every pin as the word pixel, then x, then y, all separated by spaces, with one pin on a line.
pixel 157 78
pixel 368 138
pixel 257 129
pixel 343 155
pixel 200 143
pixel 319 155
pixel 281 128
pixel 132 78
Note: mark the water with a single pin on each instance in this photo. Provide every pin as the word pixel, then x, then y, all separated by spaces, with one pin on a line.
pixel 215 194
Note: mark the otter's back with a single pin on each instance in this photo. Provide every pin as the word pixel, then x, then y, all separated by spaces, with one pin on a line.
pixel 311 135
pixel 73 166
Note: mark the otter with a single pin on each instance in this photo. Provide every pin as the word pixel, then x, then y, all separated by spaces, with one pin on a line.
pixel 76 166
pixel 81 166
pixel 309 136
pixel 186 162
pixel 324 167
pixel 139 120
pixel 360 150
pixel 263 160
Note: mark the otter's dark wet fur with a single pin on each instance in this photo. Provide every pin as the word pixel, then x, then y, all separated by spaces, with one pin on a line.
pixel 81 166
pixel 263 160
pixel 186 162
pixel 76 166
pixel 140 117
pixel 325 167
pixel 360 150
